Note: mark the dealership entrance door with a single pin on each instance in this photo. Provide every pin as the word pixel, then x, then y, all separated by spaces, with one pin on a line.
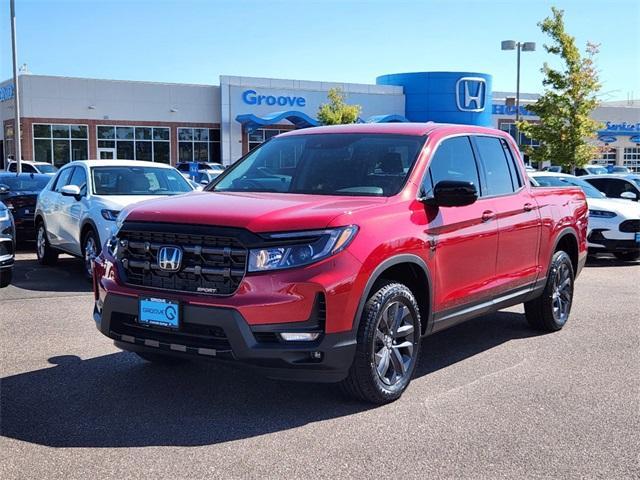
pixel 106 154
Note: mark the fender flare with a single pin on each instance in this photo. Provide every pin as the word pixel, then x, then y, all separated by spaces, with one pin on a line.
pixel 563 233
pixel 91 223
pixel 377 274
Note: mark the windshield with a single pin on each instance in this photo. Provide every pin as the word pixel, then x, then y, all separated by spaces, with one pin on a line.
pixel 46 168
pixel 589 190
pixel 596 170
pixel 138 181
pixel 24 182
pixel 325 164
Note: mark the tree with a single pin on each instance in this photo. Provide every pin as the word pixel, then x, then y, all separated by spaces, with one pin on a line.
pixel 566 128
pixel 337 111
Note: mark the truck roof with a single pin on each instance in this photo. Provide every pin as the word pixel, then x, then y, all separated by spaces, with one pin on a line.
pixel 399 128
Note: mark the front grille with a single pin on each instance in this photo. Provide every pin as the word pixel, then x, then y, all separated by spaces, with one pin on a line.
pixel 630 226
pixel 211 264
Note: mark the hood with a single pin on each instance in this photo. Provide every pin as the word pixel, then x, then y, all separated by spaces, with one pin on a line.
pixel 625 208
pixel 118 202
pixel 257 212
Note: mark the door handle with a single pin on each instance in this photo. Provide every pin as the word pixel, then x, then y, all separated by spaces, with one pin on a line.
pixel 528 207
pixel 488 215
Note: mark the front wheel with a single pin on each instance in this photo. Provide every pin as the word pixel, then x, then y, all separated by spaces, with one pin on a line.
pixel 90 250
pixel 388 345
pixel 550 311
pixel 46 255
pixel 627 256
pixel 5 277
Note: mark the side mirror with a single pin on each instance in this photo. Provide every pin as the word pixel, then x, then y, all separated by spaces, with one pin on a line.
pixel 70 191
pixel 204 182
pixel 453 193
pixel 629 195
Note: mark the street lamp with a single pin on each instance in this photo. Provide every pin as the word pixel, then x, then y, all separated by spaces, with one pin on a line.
pixel 524 47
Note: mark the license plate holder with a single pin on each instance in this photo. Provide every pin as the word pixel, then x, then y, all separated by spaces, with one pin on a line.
pixel 159 312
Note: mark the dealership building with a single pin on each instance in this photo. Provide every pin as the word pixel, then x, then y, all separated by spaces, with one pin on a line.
pixel 65 119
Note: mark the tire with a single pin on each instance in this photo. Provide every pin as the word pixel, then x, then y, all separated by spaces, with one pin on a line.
pixel 160 359
pixel 91 248
pixel 627 256
pixel 388 344
pixel 46 255
pixel 550 311
pixel 6 274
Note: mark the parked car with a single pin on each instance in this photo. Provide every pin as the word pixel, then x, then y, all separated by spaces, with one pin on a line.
pixel 77 211
pixel 205 177
pixel 618 169
pixel 617 186
pixel 20 193
pixel 553 168
pixel 33 167
pixel 614 224
pixel 7 245
pixel 330 266
pixel 214 168
pixel 591 170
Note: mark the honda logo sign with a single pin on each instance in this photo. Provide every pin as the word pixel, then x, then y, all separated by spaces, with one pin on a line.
pixel 170 258
pixel 471 94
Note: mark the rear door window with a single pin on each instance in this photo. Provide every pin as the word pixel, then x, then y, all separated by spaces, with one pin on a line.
pixel 498 171
pixel 452 160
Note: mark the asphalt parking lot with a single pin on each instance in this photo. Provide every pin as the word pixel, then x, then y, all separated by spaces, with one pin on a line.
pixel 491 399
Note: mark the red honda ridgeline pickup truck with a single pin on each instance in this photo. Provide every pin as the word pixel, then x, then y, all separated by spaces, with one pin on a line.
pixel 327 253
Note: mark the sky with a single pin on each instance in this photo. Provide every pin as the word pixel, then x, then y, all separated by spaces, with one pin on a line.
pixel 196 41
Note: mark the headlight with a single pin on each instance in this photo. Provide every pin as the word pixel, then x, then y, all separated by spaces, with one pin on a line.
pixel 601 214
pixel 111 215
pixel 4 214
pixel 314 246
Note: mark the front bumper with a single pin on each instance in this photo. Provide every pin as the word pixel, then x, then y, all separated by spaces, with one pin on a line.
pixel 217 332
pixel 598 243
pixel 6 251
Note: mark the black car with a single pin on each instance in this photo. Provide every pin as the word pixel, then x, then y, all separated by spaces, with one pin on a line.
pixel 19 193
pixel 7 245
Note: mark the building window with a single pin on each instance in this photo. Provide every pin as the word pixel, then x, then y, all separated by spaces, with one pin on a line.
pixel 606 156
pixel 199 145
pixel 60 144
pixel 8 141
pixel 151 144
pixel 261 135
pixel 631 158
pixel 509 126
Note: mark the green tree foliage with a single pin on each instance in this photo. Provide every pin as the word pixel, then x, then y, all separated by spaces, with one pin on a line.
pixel 566 129
pixel 337 111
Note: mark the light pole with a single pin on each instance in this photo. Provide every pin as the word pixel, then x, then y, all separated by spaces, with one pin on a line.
pixel 16 94
pixel 524 47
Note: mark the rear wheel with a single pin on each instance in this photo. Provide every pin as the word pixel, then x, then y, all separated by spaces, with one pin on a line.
pixel 550 311
pixel 46 255
pixel 388 345
pixel 90 250
pixel 627 256
pixel 160 359
pixel 5 277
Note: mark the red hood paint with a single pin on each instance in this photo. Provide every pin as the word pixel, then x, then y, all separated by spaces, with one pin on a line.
pixel 257 212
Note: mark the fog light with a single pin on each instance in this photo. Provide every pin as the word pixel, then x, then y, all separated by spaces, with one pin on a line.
pixel 316 356
pixel 299 336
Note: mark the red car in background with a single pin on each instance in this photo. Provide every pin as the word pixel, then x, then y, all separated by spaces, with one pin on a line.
pixel 327 253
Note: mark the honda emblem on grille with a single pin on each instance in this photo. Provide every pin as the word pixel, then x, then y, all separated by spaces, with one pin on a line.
pixel 170 258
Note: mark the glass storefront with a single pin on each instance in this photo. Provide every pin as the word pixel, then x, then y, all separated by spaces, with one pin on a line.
pixel 261 135
pixel 199 145
pixel 631 159
pixel 151 144
pixel 59 144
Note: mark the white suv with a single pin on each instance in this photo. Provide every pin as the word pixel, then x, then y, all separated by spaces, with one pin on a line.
pixel 32 167
pixel 614 224
pixel 76 212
